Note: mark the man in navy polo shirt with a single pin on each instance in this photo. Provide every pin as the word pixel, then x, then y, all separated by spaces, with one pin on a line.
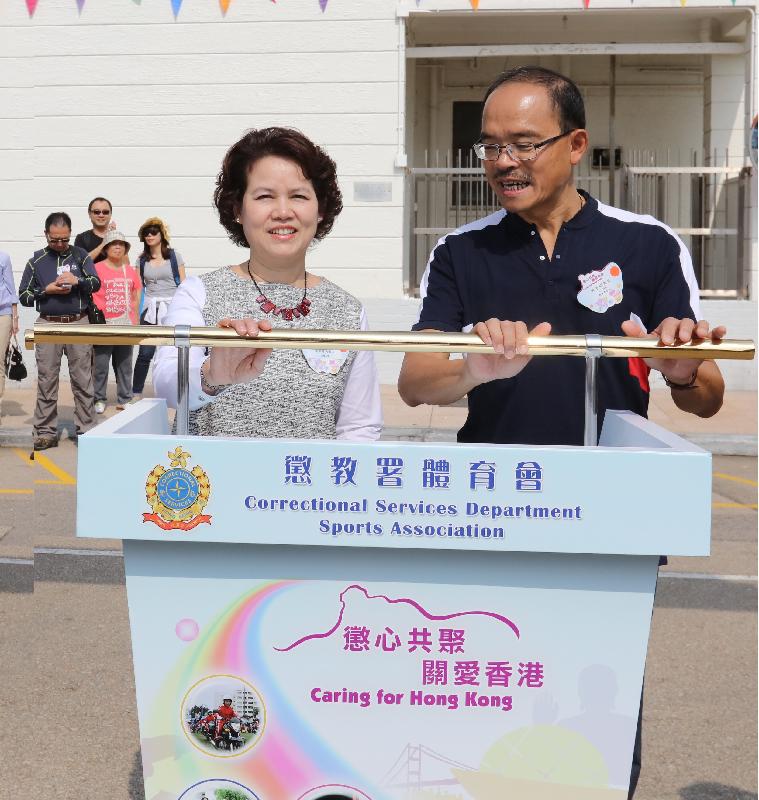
pixel 558 261
pixel 554 260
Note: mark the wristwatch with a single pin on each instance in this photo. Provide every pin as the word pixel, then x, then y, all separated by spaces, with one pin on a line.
pixel 690 385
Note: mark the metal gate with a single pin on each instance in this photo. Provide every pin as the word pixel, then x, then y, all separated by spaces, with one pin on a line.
pixel 705 205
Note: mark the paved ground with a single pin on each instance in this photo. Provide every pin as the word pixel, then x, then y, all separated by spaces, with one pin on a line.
pixel 731 432
pixel 66 662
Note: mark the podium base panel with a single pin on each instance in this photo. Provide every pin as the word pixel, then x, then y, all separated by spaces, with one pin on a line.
pixel 379 676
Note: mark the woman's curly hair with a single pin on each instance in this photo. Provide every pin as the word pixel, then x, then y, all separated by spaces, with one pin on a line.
pixel 315 164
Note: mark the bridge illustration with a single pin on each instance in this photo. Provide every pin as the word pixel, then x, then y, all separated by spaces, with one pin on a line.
pixel 412 768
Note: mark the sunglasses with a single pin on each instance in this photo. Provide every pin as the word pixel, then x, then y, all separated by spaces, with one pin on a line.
pixel 151 231
pixel 100 212
pixel 61 240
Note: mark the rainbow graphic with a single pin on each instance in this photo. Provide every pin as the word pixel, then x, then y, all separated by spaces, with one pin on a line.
pixel 290 759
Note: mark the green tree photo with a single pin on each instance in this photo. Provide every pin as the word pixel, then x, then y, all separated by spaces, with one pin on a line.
pixel 231 794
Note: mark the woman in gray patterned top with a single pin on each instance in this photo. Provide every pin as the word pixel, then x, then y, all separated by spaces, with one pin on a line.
pixel 276 193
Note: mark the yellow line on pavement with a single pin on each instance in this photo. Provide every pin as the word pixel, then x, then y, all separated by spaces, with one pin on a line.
pixel 24 456
pixel 61 474
pixel 736 478
pixel 734 505
pixel 16 491
pixel 62 478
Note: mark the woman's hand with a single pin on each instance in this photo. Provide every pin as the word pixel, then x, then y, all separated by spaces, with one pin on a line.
pixel 229 365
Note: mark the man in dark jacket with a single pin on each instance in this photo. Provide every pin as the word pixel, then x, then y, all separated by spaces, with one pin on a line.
pixel 59 281
pixel 100 211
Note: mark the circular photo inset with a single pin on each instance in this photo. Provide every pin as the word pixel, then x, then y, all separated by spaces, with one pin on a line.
pixel 335 791
pixel 218 789
pixel 223 716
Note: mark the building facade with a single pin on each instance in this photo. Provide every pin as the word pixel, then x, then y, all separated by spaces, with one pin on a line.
pixel 137 103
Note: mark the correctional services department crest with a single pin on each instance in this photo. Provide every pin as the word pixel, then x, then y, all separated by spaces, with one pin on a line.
pixel 177 495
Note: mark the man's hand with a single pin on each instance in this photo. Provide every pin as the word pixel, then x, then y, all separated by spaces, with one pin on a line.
pixel 509 340
pixel 702 388
pixel 436 379
pixel 228 365
pixel 674 331
pixel 67 279
pixel 57 288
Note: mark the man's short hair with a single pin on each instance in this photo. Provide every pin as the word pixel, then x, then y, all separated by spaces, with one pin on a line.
pixel 564 93
pixel 99 200
pixel 57 218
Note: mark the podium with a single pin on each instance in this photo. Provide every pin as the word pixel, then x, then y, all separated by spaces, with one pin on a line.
pixel 389 621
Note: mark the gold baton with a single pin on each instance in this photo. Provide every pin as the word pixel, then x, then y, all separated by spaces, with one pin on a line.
pixel 385 341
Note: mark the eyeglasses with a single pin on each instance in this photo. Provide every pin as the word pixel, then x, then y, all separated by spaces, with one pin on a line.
pixel 60 240
pixel 518 151
pixel 100 212
pixel 151 231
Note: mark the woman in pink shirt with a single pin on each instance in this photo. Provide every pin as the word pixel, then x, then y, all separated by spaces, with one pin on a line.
pixel 119 299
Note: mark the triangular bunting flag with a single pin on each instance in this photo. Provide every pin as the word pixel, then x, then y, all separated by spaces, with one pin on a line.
pixel 31 6
pixel 683 2
pixel 224 5
pixel 586 3
pixel 323 5
pixel 474 3
pixel 80 5
pixel 175 6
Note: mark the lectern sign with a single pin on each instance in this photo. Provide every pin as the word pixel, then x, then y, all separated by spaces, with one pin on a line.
pixel 392 494
pixel 333 621
pixel 345 683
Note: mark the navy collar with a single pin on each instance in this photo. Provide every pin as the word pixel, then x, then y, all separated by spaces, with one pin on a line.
pixel 586 214
pixel 581 219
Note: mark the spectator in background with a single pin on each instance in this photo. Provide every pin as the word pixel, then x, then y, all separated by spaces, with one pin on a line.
pixel 162 269
pixel 59 280
pixel 119 299
pixel 100 211
pixel 8 316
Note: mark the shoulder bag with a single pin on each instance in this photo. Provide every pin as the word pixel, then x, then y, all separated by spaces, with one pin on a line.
pixel 15 368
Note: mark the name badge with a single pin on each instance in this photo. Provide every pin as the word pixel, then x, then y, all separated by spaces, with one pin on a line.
pixel 328 362
pixel 601 289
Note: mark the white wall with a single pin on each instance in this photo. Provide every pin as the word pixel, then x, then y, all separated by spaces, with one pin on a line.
pixel 130 104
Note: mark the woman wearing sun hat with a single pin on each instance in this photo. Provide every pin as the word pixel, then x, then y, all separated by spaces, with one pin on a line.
pixel 161 271
pixel 118 298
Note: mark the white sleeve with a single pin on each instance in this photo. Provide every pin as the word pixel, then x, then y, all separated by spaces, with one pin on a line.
pixel 359 418
pixel 186 308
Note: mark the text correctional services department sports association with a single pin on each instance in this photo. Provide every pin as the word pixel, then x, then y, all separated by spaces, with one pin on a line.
pixel 384 507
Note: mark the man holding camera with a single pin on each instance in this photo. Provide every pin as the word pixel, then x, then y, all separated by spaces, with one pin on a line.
pixel 59 280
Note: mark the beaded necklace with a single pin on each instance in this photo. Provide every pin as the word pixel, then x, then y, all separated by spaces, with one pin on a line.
pixel 268 307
